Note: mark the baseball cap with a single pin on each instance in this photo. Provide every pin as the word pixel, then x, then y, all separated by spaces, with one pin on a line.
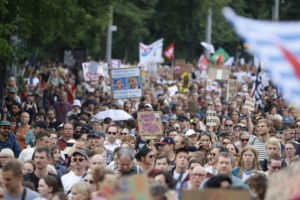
pixel 98 134
pixel 287 119
pixel 165 118
pixel 225 102
pixel 166 140
pixel 87 127
pixel 69 146
pixel 5 123
pixel 182 118
pixel 40 124
pixel 82 153
pixel 240 125
pixel 148 105
pixel 173 116
pixel 190 132
pixel 73 117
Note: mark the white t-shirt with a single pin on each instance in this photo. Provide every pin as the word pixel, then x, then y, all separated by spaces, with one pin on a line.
pixel 69 179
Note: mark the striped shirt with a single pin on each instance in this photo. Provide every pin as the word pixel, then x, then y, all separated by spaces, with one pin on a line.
pixel 260 146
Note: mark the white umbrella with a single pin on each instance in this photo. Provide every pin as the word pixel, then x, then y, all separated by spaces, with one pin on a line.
pixel 115 115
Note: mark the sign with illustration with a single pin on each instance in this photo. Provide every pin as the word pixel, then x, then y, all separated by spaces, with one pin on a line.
pixel 126 83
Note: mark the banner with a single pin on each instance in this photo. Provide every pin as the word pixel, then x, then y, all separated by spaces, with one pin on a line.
pixel 232 88
pixel 151 53
pixel 202 63
pixel 126 83
pixel 150 123
pixel 96 70
pixel 169 52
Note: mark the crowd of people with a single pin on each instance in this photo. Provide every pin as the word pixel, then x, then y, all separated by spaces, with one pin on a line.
pixel 51 147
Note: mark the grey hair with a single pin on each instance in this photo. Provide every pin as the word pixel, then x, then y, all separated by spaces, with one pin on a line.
pixel 225 155
pixel 126 152
pixel 7 152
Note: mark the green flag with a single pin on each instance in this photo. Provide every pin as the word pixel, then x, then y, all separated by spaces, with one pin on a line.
pixel 214 58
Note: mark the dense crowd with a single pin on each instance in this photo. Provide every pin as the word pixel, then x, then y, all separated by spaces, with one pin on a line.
pixel 52 148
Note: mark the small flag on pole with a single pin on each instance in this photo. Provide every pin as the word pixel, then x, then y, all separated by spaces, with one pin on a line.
pixel 217 57
pixel 169 52
pixel 202 63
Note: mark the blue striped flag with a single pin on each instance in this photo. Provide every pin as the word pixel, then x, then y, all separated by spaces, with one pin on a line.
pixel 277 45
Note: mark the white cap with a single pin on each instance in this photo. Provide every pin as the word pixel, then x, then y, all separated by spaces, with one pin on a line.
pixel 190 132
pixel 148 104
pixel 76 102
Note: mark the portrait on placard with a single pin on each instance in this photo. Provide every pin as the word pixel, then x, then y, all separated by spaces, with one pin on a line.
pixel 134 82
pixel 119 83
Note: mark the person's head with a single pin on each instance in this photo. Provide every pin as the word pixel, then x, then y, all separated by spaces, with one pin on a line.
pixel 226 140
pixel 97 139
pixel 274 164
pixel 146 156
pixel 181 140
pixel 5 127
pixel 124 132
pixel 213 154
pixel 263 127
pixel 166 146
pixel 119 84
pixel 6 155
pixel 81 191
pixel 125 157
pixel 176 109
pixel 224 163
pixel 290 148
pixel 183 121
pixel 258 185
pixel 244 138
pixel 288 131
pixel 12 175
pixel 96 161
pixel 197 175
pixel 55 150
pixel 39 126
pixel 272 146
pixel 15 108
pixel 162 162
pixel 231 148
pixel 51 114
pixel 67 131
pixel 205 139
pixel 53 137
pixel 102 176
pixel 218 181
pixel 79 160
pixel 29 167
pixel 63 96
pixel 176 126
pixel 129 139
pixel 90 180
pixel 42 139
pixel 228 126
pixel 41 157
pixel 164 178
pixel 192 136
pixel 181 158
pixel 47 186
pixel 133 82
pixel 112 133
pixel 24 118
pixel 249 159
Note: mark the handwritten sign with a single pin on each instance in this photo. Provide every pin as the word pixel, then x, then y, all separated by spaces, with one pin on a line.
pixel 216 194
pixel 216 72
pixel 211 118
pixel 90 76
pixel 250 103
pixel 126 83
pixel 115 63
pixel 93 67
pixel 193 107
pixel 150 123
pixel 232 90
pixel 132 187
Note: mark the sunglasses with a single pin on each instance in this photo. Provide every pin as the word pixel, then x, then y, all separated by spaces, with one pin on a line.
pixel 78 159
pixel 151 156
pixel 244 140
pixel 78 131
pixel 274 167
pixel 210 104
pixel 6 127
pixel 237 129
pixel 217 106
pixel 114 133
pixel 212 154
pixel 89 181
pixel 224 143
pixel 228 125
pixel 85 132
pixel 123 133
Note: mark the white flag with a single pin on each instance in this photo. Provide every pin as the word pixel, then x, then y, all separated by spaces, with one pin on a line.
pixel 151 53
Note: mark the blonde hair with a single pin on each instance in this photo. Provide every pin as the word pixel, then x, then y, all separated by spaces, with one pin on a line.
pixel 7 152
pixel 272 141
pixel 12 80
pixel 255 166
pixel 83 188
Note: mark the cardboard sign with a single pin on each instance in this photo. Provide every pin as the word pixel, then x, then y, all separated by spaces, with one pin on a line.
pixel 220 73
pixel 211 118
pixel 193 107
pixel 285 183
pixel 250 103
pixel 150 123
pixel 131 187
pixel 215 194
pixel 91 76
pixel 126 83
pixel 232 88
pixel 145 81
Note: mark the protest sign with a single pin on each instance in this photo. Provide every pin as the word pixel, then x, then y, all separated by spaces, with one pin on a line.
pixel 216 194
pixel 250 103
pixel 126 83
pixel 150 123
pixel 93 67
pixel 145 81
pixel 115 64
pixel 216 72
pixel 91 76
pixel 173 89
pixel 211 118
pixel 285 183
pixel 132 187
pixel 232 90
pixel 193 107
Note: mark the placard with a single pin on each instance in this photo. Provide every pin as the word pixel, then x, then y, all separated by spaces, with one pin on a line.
pixel 285 183
pixel 150 123
pixel 93 67
pixel 232 88
pixel 250 103
pixel 131 187
pixel 115 64
pixel 89 76
pixel 215 194
pixel 126 83
pixel 145 81
pixel 193 107
pixel 216 72
pixel 211 118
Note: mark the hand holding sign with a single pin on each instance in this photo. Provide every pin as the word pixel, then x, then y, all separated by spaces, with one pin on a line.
pixel 250 103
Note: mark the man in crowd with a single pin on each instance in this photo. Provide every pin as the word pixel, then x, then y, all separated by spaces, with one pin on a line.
pixel 197 176
pixel 51 119
pixel 66 135
pixel 112 135
pixel 162 162
pixel 96 161
pixel 288 133
pixel 181 141
pixel 23 129
pixel 126 166
pixel 166 147
pixel 274 165
pixel 183 122
pixel 31 135
pixel 62 107
pixel 8 139
pixel 272 147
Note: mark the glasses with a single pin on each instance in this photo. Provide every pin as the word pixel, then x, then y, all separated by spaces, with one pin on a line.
pixel 228 125
pixel 244 140
pixel 89 181
pixel 237 129
pixel 217 106
pixel 123 133
pixel 210 104
pixel 85 132
pixel 78 131
pixel 78 159
pixel 6 127
pixel 212 154
pixel 224 143
pixel 198 175
pixel 151 156
pixel 192 136
pixel 114 133
pixel 275 167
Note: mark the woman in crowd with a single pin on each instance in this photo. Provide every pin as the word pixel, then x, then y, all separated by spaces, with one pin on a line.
pixel 204 142
pixel 235 116
pixel 244 139
pixel 248 163
pixel 6 155
pixel 165 178
pixel 102 176
pixel 47 187
pixel 29 167
pixel 61 170
pixel 290 150
pixel 233 150
pixel 81 191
